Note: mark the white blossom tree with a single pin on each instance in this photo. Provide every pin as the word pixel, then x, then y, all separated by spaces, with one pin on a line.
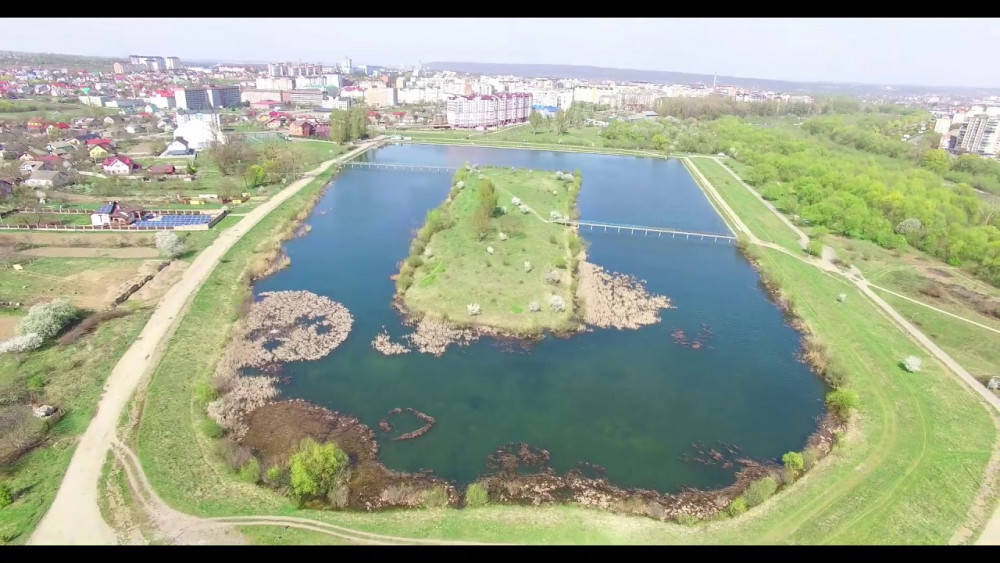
pixel 534 307
pixel 473 309
pixel 912 364
pixel 168 243
pixel 557 303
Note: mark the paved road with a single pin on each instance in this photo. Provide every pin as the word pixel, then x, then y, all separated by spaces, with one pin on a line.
pixel 74 517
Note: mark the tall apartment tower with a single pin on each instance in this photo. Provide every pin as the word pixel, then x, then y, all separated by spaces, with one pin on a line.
pixel 979 135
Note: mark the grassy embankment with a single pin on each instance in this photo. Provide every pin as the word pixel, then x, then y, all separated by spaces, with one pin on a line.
pixel 907 473
pixel 461 271
pixel 915 275
pixel 70 377
pixel 764 224
pixel 577 139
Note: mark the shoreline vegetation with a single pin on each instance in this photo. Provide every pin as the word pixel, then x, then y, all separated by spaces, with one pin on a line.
pixel 816 508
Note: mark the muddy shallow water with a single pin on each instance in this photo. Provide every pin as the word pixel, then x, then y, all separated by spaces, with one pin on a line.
pixel 637 403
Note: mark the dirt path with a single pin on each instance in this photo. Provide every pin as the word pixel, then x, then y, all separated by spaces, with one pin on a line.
pixel 991 531
pixel 85 252
pixel 74 517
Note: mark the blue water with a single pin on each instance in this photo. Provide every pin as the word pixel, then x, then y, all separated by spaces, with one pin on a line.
pixel 631 401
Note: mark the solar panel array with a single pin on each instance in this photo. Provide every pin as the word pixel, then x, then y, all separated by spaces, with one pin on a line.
pixel 170 221
pixel 106 208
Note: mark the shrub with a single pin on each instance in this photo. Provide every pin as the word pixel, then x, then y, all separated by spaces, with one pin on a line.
pixel 168 243
pixel 417 246
pixel 6 495
pixel 552 239
pixel 515 201
pixel 842 401
pixel 534 307
pixel 527 266
pixel 250 473
pixel 553 277
pixel 275 475
pixel 737 507
pixel 476 496
pixel 415 262
pixel 557 303
pixel 912 364
pixel 404 281
pixel 760 490
pixel 36 382
pixel 436 497
pixel 315 467
pixel 21 344
pixel 473 309
pixel 234 454
pixel 810 457
pixel 211 428
pixel 205 393
pixel 560 263
pixel 815 247
pixel 793 461
pixel 48 319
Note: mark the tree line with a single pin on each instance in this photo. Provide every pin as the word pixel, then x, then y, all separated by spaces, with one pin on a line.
pixel 348 125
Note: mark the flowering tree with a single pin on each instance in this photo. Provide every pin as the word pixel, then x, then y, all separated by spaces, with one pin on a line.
pixel 170 244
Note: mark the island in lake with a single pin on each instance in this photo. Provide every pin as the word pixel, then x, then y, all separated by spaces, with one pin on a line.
pixel 501 255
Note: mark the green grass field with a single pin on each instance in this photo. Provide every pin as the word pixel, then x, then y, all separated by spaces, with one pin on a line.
pixel 907 473
pixel 271 535
pixel 72 379
pixel 755 214
pixel 461 271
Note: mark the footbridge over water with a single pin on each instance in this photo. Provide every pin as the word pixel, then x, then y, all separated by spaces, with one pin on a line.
pixel 614 227
pixel 644 230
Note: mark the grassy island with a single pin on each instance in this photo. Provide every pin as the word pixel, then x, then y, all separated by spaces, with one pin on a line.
pixel 492 255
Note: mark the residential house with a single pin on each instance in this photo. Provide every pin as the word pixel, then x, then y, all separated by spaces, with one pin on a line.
pixel 60 148
pixel 82 139
pixel 100 141
pixel 178 147
pixel 274 124
pixel 46 179
pixel 53 161
pixel 31 154
pixel 36 125
pixel 6 188
pixel 162 169
pixel 119 165
pixel 115 213
pixel 113 120
pixel 301 129
pixel 100 151
pixel 29 166
pixel 135 128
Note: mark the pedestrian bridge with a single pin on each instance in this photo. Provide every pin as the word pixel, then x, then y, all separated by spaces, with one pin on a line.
pixel 398 167
pixel 646 231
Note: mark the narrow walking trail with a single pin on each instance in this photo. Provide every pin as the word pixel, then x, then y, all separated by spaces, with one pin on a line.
pixel 74 517
pixel 991 532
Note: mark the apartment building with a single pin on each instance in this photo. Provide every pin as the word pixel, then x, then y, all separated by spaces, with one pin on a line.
pixel 380 97
pixel 293 69
pixel 173 63
pixel 488 111
pixel 979 135
pixel 306 97
pixel 197 99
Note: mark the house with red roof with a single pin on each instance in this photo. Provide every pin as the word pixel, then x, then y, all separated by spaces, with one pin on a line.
pixel 301 129
pixel 61 125
pixel 119 165
pixel 100 141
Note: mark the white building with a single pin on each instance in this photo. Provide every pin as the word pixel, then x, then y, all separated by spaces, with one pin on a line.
pixel 336 103
pixel 197 99
pixel 210 118
pixel 198 134
pixel 275 83
pixel 173 63
pixel 488 111
pixel 979 135
pixel 380 97
pixel 345 66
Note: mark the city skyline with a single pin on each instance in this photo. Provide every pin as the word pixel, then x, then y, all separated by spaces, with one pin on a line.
pixel 867 51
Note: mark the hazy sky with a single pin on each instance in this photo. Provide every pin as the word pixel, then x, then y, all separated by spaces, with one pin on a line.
pixel 953 52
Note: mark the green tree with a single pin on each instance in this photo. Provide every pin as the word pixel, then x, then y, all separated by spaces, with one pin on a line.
pixel 760 490
pixel 476 495
pixel 536 120
pixel 936 161
pixel 488 197
pixel 6 495
pixel 737 507
pixel 842 401
pixel 314 468
pixel 793 461
pixel 255 176
pixel 340 130
pixel 561 122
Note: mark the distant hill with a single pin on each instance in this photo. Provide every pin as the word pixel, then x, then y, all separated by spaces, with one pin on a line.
pixel 667 77
pixel 55 60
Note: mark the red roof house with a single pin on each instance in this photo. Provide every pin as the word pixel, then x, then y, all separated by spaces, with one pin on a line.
pixel 119 165
pixel 62 125
pixel 92 142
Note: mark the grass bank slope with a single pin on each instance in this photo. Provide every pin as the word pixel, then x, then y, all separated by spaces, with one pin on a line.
pixel 460 270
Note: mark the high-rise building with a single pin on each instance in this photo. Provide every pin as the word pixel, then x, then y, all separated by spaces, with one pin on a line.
pixel 488 111
pixel 345 66
pixel 293 69
pixel 173 63
pixel 151 63
pixel 198 99
pixel 979 135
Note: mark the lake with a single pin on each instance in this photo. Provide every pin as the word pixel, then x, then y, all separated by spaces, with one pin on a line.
pixel 633 402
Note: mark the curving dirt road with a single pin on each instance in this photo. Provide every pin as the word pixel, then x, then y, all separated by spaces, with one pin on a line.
pixel 74 517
